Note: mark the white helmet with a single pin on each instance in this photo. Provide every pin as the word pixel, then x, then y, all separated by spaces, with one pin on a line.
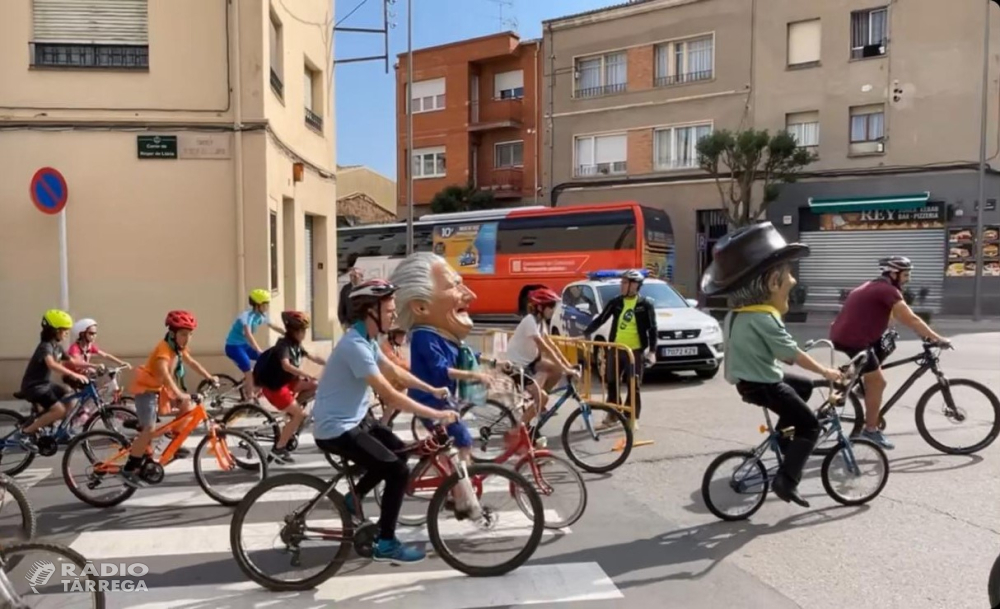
pixel 82 326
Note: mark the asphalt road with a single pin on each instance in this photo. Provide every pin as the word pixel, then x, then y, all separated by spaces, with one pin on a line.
pixel 646 539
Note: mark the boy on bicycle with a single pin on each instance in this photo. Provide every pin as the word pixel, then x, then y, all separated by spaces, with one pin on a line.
pixel 283 382
pixel 752 266
pixel 162 374
pixel 37 386
pixel 241 346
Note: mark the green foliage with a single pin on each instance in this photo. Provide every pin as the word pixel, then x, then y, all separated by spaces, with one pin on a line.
pixel 461 198
pixel 739 160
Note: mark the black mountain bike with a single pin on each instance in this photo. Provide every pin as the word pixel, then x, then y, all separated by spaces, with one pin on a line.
pixel 951 424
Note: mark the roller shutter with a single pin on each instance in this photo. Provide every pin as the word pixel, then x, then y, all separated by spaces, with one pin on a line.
pixel 112 22
pixel 310 268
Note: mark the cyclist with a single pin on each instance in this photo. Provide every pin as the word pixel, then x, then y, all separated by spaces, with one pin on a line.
pixel 532 349
pixel 162 374
pixel 84 346
pixel 863 320
pixel 343 426
pixel 37 386
pixel 283 382
pixel 241 346
pixel 392 348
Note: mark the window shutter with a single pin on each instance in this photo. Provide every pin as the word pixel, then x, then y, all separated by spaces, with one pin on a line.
pixel 508 80
pixel 91 21
pixel 611 148
pixel 804 41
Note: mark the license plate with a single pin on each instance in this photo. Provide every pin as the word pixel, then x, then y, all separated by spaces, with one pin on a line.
pixel 678 351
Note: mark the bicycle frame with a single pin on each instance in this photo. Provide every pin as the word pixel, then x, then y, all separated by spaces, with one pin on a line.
pixel 8 594
pixel 925 362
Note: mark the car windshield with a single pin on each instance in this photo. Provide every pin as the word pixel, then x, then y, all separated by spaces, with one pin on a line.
pixel 662 295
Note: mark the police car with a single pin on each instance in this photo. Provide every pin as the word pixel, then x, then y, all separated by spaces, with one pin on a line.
pixel 688 338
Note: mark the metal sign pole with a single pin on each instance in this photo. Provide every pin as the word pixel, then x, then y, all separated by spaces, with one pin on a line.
pixel 63 263
pixel 977 307
pixel 408 163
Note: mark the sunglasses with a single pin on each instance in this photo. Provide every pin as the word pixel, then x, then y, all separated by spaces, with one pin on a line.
pixel 91 333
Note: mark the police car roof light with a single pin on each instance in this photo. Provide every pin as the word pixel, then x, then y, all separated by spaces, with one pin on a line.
pixel 612 274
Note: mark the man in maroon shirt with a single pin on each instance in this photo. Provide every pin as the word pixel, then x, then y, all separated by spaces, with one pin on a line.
pixel 863 320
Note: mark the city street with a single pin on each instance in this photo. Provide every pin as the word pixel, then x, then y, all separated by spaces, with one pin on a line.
pixel 646 539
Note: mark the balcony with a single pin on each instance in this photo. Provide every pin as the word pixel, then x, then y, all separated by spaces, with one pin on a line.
pixel 101 56
pixel 601 169
pixel 504 183
pixel 314 120
pixel 276 85
pixel 496 114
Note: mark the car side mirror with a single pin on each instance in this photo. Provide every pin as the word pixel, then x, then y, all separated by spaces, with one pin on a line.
pixel 584 307
pixel 692 302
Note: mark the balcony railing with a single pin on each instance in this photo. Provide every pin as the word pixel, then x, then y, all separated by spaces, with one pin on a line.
pixel 108 56
pixel 601 169
pixel 277 85
pixel 314 120
pixel 504 182
pixel 602 90
pixel 495 114
pixel 680 79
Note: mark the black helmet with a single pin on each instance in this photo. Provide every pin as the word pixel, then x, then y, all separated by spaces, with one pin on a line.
pixel 895 263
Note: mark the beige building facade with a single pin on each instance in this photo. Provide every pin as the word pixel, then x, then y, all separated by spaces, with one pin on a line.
pixel 887 95
pixel 196 138
pixel 364 196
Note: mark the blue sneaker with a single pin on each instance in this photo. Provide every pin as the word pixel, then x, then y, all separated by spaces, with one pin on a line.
pixel 391 550
pixel 877 437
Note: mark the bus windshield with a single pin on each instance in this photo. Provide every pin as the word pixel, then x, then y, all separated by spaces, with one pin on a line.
pixel 662 295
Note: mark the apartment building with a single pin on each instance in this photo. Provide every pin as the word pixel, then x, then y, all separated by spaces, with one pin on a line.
pixel 476 107
pixel 196 140
pixel 885 93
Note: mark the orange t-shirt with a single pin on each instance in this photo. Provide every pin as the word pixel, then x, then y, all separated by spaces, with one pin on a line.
pixel 392 356
pixel 147 379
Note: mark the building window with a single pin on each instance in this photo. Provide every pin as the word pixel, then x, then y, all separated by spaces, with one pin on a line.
pixel 685 61
pixel 601 75
pixel 312 97
pixel 804 43
pixel 277 57
pixel 429 163
pixel 273 241
pixel 509 85
pixel 428 95
pixel 868 32
pixel 804 127
pixel 867 129
pixel 601 154
pixel 508 154
pixel 95 34
pixel 677 147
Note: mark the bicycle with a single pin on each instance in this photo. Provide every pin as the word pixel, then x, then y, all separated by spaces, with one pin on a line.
pixel 928 361
pixel 89 409
pixel 151 471
pixel 25 524
pixel 993 586
pixel 750 477
pixel 347 531
pixel 38 572
pixel 216 395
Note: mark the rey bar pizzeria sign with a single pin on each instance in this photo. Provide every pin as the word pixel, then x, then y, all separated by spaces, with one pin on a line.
pixel 927 217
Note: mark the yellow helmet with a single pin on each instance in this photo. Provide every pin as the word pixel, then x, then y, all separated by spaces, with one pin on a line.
pixel 260 296
pixel 60 320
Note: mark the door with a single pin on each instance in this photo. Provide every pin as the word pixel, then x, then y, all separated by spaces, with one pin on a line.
pixel 310 273
pixel 712 226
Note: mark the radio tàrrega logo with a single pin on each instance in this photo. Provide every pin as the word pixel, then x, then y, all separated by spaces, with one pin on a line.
pixel 39 574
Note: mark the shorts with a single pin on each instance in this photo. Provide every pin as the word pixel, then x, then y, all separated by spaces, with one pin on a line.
pixel 280 398
pixel 242 355
pixel 528 376
pixel 457 431
pixel 45 395
pixel 876 355
pixel 146 406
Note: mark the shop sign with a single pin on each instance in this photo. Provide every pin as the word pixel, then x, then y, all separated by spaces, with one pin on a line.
pixel 927 217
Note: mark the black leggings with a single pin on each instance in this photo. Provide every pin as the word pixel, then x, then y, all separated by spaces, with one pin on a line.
pixel 625 371
pixel 371 446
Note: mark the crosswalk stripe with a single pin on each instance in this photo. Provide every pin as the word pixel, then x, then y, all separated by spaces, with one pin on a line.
pixel 444 589
pixel 214 539
pixel 30 477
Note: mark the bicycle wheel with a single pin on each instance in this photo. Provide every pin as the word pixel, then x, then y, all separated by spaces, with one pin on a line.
pixel 994 584
pixel 959 429
pixel 745 476
pixel 235 469
pixel 488 423
pixel 13 458
pixel 255 421
pixel 78 467
pixel 518 533
pixel 561 488
pixel 229 392
pixel 872 471
pixel 60 592
pixel 280 536
pixel 117 419
pixel 599 440
pixel 418 431
pixel 17 523
pixel 425 477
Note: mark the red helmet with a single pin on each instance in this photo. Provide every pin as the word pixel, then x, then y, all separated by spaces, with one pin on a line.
pixel 295 320
pixel 181 320
pixel 543 297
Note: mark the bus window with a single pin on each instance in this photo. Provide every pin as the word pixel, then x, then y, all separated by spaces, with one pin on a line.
pixel 567 233
pixel 658 250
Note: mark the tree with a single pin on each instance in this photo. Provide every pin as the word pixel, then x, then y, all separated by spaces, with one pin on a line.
pixel 744 158
pixel 461 198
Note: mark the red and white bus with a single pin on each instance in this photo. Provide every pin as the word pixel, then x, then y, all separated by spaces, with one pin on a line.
pixel 504 253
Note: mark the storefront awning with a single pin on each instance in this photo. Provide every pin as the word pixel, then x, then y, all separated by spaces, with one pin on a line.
pixel 855 204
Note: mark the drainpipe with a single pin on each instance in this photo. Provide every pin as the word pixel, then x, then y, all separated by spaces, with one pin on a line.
pixel 241 252
pixel 551 121
pixel 535 110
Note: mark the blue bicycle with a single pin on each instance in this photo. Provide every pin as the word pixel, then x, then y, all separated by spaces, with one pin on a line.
pixel 89 410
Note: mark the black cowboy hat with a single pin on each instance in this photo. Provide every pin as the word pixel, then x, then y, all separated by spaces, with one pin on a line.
pixel 745 253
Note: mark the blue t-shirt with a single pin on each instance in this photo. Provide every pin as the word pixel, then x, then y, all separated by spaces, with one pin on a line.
pixel 342 395
pixel 431 355
pixel 249 318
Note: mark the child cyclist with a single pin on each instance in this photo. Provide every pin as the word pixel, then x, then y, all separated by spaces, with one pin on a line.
pixel 283 382
pixel 37 386
pixel 163 373
pixel 84 346
pixel 241 346
pixel 392 349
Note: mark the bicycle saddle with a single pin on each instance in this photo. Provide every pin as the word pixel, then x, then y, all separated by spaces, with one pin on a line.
pixel 19 396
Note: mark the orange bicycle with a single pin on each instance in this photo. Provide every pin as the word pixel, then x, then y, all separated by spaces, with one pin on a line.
pixel 101 455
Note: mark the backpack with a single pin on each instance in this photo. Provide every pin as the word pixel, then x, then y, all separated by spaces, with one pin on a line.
pixel 260 368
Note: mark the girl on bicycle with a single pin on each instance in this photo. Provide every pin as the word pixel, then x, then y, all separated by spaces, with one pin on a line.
pixel 84 346
pixel 37 386
pixel 241 346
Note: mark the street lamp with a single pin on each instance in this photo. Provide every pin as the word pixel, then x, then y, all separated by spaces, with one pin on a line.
pixel 977 289
pixel 409 127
